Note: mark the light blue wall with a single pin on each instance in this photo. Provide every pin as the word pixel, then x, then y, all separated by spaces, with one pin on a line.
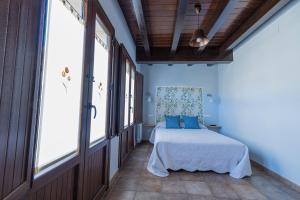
pixel 260 94
pixel 180 75
pixel 122 32
pixel 116 17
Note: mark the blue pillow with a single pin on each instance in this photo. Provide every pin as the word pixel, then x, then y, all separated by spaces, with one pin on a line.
pixel 191 122
pixel 172 121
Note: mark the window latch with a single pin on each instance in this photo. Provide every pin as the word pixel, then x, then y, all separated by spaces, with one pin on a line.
pixel 91 106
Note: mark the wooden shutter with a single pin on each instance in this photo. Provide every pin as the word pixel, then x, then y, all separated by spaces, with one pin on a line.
pixel 139 97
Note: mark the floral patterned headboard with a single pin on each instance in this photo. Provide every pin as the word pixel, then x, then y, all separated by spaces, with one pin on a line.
pixel 178 101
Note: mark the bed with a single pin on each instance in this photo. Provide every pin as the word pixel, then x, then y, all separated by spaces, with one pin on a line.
pixel 197 149
pixel 192 149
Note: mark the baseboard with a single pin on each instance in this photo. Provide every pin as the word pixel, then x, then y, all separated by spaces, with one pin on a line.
pixel 114 178
pixel 277 176
pixel 112 182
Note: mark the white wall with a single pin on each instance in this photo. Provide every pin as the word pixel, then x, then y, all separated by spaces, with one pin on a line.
pixel 116 17
pixel 260 94
pixel 180 75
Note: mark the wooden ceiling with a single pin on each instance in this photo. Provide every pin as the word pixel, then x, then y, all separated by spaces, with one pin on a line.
pixel 162 28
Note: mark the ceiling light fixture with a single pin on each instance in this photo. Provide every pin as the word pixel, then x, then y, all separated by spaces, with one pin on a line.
pixel 199 39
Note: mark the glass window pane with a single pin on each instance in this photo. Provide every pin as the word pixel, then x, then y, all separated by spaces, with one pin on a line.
pixel 59 119
pixel 100 84
pixel 127 78
pixel 132 96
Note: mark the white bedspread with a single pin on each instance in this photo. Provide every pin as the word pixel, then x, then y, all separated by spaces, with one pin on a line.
pixel 197 149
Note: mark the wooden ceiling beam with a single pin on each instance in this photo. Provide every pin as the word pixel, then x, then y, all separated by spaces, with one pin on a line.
pixel 258 18
pixel 139 14
pixel 221 20
pixel 181 11
pixel 186 55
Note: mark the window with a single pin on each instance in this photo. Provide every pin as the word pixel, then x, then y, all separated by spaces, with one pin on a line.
pixel 132 96
pixel 127 88
pixel 100 84
pixel 59 118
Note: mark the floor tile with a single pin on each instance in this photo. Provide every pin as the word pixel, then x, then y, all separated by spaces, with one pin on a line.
pixel 199 197
pixel 190 176
pixel 121 195
pixel 194 187
pixel 125 183
pixel 222 190
pixel 175 196
pixel 141 148
pixel 140 154
pixel 247 192
pixel 149 185
pixel 212 177
pixel 146 174
pixel 148 196
pixel 173 187
pixel 139 164
pixel 125 172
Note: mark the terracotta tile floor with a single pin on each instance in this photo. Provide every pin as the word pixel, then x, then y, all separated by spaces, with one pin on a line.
pixel 134 182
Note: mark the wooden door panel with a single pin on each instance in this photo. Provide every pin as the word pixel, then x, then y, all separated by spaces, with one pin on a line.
pixel 96 179
pixel 126 143
pixel 61 188
pixel 130 139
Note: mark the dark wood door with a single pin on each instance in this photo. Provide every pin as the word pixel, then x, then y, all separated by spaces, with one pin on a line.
pixel 96 161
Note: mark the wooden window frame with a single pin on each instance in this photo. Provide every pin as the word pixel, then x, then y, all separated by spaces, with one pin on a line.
pixel 74 155
pixel 122 86
pixel 99 14
pixel 114 86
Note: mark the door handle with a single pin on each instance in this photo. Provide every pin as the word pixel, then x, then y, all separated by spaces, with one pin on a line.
pixel 91 106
